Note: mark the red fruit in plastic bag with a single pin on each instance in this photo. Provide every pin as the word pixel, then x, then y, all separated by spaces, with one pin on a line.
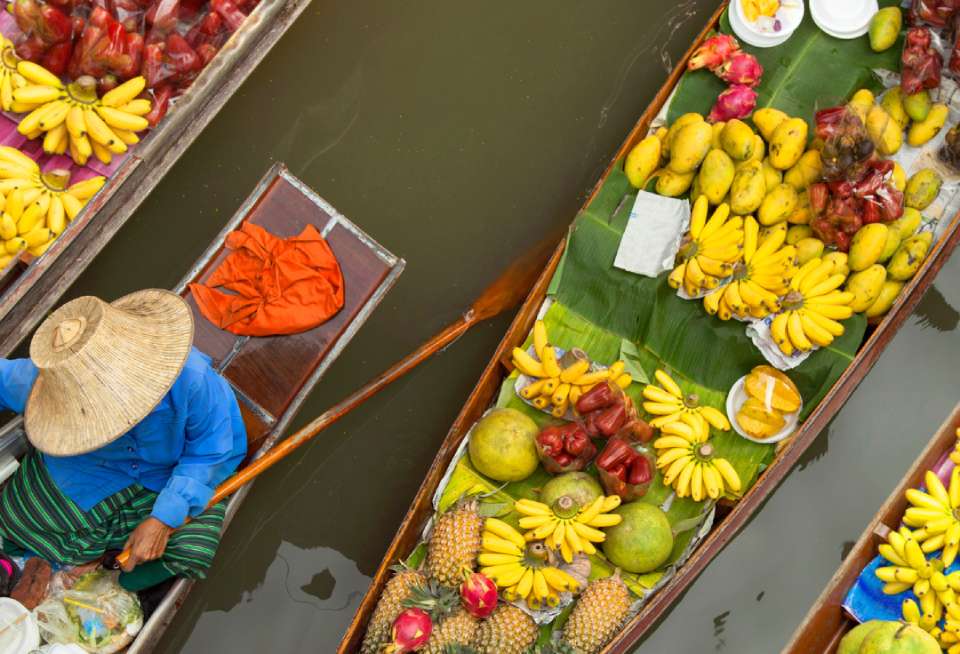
pixel 612 419
pixel 230 13
pixel 577 442
pixel 598 397
pixel 640 472
pixel 921 64
pixel 183 58
pixel 871 212
pixel 819 196
pixel 478 594
pixel 161 102
pixel 842 242
pixel 552 437
pixel 57 58
pixel 619 471
pixel 616 452
pixel 207 52
pixel 891 202
pixel 935 12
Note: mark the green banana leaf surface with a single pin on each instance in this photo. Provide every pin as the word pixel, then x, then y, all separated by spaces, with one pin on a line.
pixel 811 71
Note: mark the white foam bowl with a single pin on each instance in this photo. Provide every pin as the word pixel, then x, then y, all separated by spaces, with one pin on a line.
pixel 735 399
pixel 20 633
pixel 790 17
pixel 848 19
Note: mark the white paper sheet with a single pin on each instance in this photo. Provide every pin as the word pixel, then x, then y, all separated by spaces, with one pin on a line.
pixel 653 234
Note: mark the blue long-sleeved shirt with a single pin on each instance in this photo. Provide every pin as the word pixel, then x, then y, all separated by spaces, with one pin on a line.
pixel 192 441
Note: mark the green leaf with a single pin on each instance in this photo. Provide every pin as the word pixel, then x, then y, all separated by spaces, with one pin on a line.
pixel 812 70
pixel 630 356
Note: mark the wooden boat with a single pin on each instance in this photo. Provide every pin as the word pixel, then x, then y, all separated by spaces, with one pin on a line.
pixel 827 622
pixel 30 287
pixel 730 517
pixel 272 376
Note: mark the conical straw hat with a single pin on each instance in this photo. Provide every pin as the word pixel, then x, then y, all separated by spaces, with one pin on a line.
pixel 104 367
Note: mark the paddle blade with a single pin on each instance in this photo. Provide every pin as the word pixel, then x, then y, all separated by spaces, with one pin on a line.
pixel 514 284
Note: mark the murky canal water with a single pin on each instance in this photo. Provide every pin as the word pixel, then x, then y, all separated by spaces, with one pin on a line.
pixel 457 134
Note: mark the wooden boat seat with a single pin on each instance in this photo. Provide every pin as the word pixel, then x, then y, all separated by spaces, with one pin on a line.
pixel 271 375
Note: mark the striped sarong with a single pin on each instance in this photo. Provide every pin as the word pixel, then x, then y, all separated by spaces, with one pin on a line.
pixel 36 517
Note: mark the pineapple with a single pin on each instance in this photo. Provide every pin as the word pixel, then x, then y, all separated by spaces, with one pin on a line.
pixel 598 615
pixel 508 630
pixel 456 631
pixel 455 543
pixel 388 608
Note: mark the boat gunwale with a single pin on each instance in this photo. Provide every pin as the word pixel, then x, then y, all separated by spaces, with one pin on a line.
pixel 484 392
pixel 825 622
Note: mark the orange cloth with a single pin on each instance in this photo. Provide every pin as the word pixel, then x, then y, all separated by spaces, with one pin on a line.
pixel 280 286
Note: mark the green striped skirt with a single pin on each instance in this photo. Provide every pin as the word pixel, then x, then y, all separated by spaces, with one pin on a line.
pixel 36 517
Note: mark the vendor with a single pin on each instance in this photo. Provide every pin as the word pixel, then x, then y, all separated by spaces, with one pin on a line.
pixel 133 430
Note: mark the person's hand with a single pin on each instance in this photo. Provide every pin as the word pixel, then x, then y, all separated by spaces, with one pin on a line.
pixel 147 542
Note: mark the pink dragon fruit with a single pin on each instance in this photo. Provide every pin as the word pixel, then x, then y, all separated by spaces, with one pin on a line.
pixel 714 52
pixel 741 68
pixel 411 630
pixel 479 595
pixel 737 101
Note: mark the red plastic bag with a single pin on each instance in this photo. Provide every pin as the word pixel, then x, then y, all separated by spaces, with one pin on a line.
pixel 626 467
pixel 106 51
pixel 565 448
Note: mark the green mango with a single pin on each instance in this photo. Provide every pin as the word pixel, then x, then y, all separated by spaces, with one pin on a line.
pixel 850 644
pixel 917 105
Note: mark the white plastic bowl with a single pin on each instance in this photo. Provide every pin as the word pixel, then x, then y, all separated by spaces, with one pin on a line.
pixel 848 19
pixel 735 399
pixel 790 17
pixel 20 633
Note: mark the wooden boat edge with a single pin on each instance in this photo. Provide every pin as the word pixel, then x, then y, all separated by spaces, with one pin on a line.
pixel 825 619
pixel 409 530
pixel 49 277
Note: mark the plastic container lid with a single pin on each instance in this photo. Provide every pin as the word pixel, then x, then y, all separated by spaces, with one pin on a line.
pixel 735 399
pixel 790 16
pixel 844 20
pixel 18 628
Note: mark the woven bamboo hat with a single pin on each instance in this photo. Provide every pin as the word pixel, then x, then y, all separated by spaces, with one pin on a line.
pixel 104 367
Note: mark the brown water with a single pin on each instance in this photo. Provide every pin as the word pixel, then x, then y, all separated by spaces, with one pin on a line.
pixel 457 134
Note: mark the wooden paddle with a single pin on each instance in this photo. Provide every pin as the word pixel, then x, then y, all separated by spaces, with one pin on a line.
pixel 506 292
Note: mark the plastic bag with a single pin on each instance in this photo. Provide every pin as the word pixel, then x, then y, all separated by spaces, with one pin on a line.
pixel 565 448
pixel 626 466
pixel 95 613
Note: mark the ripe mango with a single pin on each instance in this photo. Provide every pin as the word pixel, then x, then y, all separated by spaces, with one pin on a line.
pixel 754 419
pixel 885 28
pixel 885 132
pixel 759 148
pixel 839 262
pixel 797 233
pixel 788 143
pixel 737 140
pixel 888 295
pixel 908 223
pixel 678 124
pixel 642 160
pixel 892 101
pixel 807 249
pixel 784 395
pixel 673 184
pixel 690 145
pixel 748 189
pixel 917 105
pixel 767 232
pixel 865 286
pixel 922 189
pixel 867 246
pixel 860 104
pixel 771 175
pixel 777 204
pixel 893 242
pixel 926 129
pixel 767 120
pixel 717 130
pixel 715 176
pixel 898 177
pixel 802 212
pixel 806 171
pixel 909 256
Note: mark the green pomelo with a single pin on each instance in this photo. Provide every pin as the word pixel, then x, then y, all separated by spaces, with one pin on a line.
pixel 502 445
pixel 899 638
pixel 578 486
pixel 642 541
pixel 850 644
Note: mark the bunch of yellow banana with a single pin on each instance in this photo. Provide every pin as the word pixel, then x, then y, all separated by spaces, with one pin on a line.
pixel 36 206
pixel 669 403
pixel 687 461
pixel 521 568
pixel 566 526
pixel 556 389
pixel 934 513
pixel 757 282
pixel 10 79
pixel 812 308
pixel 709 250
pixel 72 118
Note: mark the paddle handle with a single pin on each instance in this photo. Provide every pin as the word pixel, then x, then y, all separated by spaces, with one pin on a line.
pixel 281 450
